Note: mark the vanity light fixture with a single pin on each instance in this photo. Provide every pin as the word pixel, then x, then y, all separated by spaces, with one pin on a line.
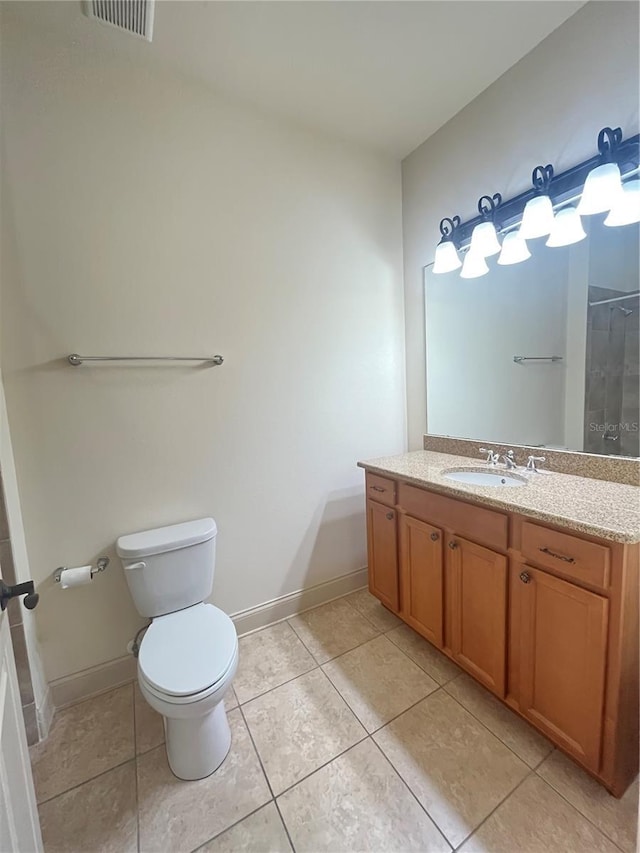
pixel 603 185
pixel 596 182
pixel 514 249
pixel 567 228
pixel 626 209
pixel 446 257
pixel 484 240
pixel 537 218
pixel 474 265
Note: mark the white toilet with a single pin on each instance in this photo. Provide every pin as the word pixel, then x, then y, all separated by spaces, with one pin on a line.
pixel 189 654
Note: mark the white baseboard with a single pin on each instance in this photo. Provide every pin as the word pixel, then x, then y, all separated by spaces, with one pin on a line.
pixel 254 618
pixel 107 676
pixel 90 682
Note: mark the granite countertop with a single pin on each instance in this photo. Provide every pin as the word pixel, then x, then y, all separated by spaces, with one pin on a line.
pixel 596 507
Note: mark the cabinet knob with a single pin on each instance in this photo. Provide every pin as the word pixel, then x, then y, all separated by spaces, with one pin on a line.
pixel 389 515
pixel 453 545
pixel 434 537
pixel 525 577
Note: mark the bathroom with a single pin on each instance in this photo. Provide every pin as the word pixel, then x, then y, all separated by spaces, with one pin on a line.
pixel 265 182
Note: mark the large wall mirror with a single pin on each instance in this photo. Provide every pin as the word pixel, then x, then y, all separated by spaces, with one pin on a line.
pixel 543 352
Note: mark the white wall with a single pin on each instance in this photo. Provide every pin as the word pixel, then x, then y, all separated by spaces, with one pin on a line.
pixel 151 216
pixel 474 327
pixel 547 108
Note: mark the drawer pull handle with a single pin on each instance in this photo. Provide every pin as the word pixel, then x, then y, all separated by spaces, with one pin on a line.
pixel 525 577
pixel 557 556
pixel 389 515
pixel 453 545
pixel 434 537
pixel 378 489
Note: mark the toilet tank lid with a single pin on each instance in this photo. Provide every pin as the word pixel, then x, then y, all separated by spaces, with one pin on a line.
pixel 163 539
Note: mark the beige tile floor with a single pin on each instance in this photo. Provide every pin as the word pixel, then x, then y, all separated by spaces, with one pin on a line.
pixel 350 733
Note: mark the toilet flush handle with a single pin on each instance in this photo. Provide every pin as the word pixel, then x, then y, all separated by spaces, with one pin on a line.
pixel 132 566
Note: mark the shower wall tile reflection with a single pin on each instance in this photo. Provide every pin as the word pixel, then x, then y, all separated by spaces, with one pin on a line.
pixel 612 402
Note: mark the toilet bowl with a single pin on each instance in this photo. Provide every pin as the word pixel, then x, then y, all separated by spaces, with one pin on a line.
pixel 188 656
pixel 186 663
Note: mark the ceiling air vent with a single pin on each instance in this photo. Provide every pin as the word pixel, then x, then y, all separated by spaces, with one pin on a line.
pixel 134 16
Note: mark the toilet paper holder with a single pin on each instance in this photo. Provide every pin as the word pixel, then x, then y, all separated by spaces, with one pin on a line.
pixel 100 566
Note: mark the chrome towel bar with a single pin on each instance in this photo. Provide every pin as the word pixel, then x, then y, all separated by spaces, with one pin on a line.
pixel 76 359
pixel 520 358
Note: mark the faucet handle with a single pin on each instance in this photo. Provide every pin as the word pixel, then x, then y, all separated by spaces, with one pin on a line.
pixel 531 462
pixel 510 460
pixel 492 457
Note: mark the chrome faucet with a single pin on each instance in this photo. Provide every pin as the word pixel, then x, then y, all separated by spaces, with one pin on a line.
pixel 509 460
pixel 531 462
pixel 492 458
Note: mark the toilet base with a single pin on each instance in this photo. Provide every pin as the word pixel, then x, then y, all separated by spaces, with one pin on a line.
pixel 197 746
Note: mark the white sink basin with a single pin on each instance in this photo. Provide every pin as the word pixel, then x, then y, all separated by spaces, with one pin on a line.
pixel 499 478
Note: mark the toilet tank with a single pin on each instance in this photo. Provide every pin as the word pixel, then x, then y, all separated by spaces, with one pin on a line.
pixel 169 568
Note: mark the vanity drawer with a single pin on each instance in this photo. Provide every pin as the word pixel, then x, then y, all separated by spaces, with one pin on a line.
pixel 574 557
pixel 480 525
pixel 381 489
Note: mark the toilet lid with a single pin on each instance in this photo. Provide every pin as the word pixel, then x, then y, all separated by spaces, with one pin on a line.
pixel 187 651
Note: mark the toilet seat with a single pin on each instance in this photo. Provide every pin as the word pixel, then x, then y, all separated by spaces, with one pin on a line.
pixel 185 655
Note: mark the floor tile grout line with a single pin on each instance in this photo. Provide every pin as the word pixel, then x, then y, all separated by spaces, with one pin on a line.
pixel 275 687
pixel 408 787
pixel 299 637
pixel 255 749
pixel 284 824
pixel 395 717
pixel 575 808
pixel 231 825
pixel 306 776
pixel 85 781
pixel 534 772
pixel 406 710
pixel 347 595
pixel 497 736
pixel 135 751
pixel 320 663
pixel 502 801
pixel 423 668
pixel 321 766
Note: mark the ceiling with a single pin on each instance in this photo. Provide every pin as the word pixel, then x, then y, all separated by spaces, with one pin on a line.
pixel 383 74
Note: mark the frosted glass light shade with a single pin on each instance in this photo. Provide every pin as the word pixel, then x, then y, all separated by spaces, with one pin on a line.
pixel 601 189
pixel 474 265
pixel 567 228
pixel 626 209
pixel 446 259
pixel 484 240
pixel 514 249
pixel 537 219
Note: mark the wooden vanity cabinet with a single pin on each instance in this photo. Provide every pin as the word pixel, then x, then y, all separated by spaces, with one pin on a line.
pixel 382 550
pixel 563 656
pixel 477 609
pixel 545 618
pixel 422 578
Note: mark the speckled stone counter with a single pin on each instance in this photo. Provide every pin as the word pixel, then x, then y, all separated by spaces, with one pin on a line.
pixel 595 507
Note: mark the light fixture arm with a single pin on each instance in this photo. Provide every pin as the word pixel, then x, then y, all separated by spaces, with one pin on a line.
pixel 541 178
pixel 487 206
pixel 448 228
pixel 608 143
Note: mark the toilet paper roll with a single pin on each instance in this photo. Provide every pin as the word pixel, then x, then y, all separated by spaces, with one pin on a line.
pixel 75 577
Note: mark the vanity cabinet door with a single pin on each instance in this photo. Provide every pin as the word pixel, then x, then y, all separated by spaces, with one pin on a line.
pixel 382 548
pixel 563 645
pixel 477 609
pixel 421 567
